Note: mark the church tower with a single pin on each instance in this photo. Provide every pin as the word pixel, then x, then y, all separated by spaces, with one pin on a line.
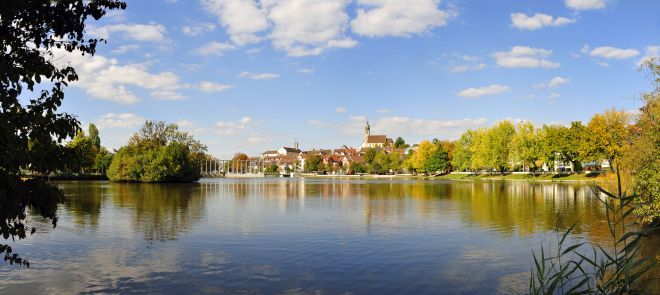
pixel 367 131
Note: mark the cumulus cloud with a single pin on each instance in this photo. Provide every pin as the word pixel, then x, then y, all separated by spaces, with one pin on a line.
pixel 464 63
pixel 197 29
pixel 613 52
pixel 377 18
pixel 525 57
pixel 258 76
pixel 537 21
pixel 243 19
pixel 341 109
pixel 207 86
pixel 125 120
pixel 308 27
pixel 214 48
pixel 585 4
pixel 482 91
pixel 107 79
pixel 152 32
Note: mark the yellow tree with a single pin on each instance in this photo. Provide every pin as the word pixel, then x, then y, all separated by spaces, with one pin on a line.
pixel 479 149
pixel 498 144
pixel 525 145
pixel 606 136
pixel 423 152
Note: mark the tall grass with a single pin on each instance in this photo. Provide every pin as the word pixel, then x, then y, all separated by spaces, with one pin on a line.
pixel 616 270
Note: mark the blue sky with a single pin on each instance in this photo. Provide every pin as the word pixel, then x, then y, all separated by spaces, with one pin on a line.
pixel 248 75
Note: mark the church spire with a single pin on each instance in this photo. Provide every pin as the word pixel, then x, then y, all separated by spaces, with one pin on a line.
pixel 367 129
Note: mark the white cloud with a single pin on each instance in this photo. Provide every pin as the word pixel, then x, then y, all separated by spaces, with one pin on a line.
pixel 465 63
pixel 487 90
pixel 553 95
pixel 243 19
pixel 553 83
pixel 308 27
pixel 197 29
pixel 613 52
pixel 125 48
pixel 525 57
pixel 112 120
pixel 214 48
pixel 234 128
pixel 306 71
pixel 650 52
pixel 395 126
pixel 382 111
pixel 341 109
pixel 207 86
pixel 258 76
pixel 377 18
pixel 107 79
pixel 537 21
pixel 585 4
pixel 139 32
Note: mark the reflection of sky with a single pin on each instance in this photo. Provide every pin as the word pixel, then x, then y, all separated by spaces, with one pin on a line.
pixel 298 237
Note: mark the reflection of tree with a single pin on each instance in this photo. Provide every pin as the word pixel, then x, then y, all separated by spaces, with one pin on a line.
pixel 161 211
pixel 83 201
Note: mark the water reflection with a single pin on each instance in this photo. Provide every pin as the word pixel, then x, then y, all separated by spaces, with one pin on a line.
pixel 270 236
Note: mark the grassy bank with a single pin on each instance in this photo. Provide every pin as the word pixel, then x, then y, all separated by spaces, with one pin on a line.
pixel 528 177
pixel 481 177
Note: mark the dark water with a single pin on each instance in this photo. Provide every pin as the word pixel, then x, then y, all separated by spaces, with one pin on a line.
pixel 311 236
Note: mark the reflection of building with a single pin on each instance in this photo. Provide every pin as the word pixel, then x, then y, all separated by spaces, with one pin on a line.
pixel 374 141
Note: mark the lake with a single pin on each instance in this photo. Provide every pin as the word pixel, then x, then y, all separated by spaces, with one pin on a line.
pixel 299 236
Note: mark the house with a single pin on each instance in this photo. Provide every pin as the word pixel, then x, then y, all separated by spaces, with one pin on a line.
pixel 269 154
pixel 375 141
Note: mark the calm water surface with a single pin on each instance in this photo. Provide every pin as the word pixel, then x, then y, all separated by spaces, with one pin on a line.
pixel 299 236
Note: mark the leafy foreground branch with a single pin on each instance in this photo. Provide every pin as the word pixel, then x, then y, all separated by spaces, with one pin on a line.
pixel 615 271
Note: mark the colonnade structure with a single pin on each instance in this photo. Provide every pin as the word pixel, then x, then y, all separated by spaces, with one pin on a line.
pixel 222 168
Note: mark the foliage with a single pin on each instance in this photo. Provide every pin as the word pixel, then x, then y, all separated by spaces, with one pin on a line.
pixel 616 271
pixel 400 143
pixel 525 146
pixel 313 163
pixel 272 169
pixel 562 141
pixel 642 157
pixel 498 144
pixel 606 136
pixel 32 128
pixel 356 168
pixel 429 157
pixel 158 153
pixel 462 159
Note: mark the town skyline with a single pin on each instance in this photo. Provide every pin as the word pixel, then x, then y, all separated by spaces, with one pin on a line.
pixel 263 78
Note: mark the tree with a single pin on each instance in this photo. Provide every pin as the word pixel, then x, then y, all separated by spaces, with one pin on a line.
pixel 354 168
pixel 498 145
pixel 94 136
pixel 370 155
pixel 642 157
pixel 419 159
pixel 449 147
pixel 83 151
pixel 438 160
pixel 400 143
pixel 30 32
pixel 525 148
pixel 606 136
pixel 462 158
pixel 313 163
pixel 158 153
pixel 562 143
pixel 479 150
